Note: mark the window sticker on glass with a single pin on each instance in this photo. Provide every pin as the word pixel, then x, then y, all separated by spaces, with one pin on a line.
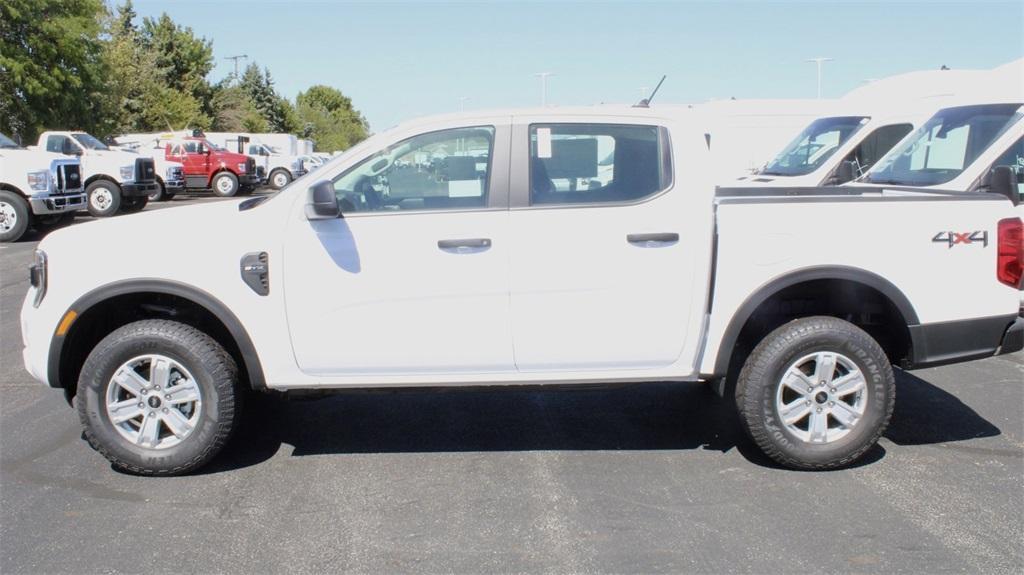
pixel 543 143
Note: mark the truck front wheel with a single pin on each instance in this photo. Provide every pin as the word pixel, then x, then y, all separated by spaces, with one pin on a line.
pixel 280 178
pixel 158 397
pixel 225 184
pixel 103 198
pixel 134 204
pixel 816 393
pixel 14 216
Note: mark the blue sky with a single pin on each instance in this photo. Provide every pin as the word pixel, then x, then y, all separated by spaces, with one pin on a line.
pixel 401 60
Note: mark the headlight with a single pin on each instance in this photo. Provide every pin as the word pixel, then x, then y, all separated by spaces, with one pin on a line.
pixel 127 172
pixel 37 273
pixel 39 181
pixel 241 167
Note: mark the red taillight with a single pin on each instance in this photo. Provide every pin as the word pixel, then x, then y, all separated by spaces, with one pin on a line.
pixel 1010 254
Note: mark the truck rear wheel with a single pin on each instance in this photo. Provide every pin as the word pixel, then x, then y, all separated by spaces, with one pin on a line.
pixel 158 397
pixel 14 216
pixel 225 184
pixel 280 179
pixel 816 393
pixel 103 198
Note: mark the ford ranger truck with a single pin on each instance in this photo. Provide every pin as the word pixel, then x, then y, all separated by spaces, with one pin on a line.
pixel 486 249
pixel 36 189
pixel 115 180
pixel 210 167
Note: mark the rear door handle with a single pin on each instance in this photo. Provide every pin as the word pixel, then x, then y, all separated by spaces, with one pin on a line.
pixel 467 243
pixel 658 238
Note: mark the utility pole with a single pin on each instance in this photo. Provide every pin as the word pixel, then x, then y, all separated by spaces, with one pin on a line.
pixel 462 103
pixel 544 87
pixel 236 59
pixel 819 62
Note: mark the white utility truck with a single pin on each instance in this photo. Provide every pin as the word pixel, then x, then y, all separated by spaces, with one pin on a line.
pixel 36 189
pixel 483 265
pixel 115 180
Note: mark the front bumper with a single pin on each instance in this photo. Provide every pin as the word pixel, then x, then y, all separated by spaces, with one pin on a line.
pixel 249 180
pixel 174 186
pixel 134 189
pixel 43 204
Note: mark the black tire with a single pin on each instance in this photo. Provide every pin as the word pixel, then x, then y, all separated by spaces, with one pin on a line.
pixel 168 196
pixel 134 204
pixel 761 377
pixel 106 207
pixel 227 190
pixel 160 193
pixel 211 366
pixel 13 206
pixel 279 178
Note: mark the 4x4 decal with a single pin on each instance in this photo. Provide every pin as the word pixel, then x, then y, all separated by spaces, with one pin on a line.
pixel 954 238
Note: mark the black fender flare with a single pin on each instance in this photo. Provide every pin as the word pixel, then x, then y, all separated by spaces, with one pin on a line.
pixel 750 305
pixel 168 287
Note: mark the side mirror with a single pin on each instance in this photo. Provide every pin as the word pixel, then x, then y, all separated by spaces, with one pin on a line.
pixel 322 202
pixel 1002 180
pixel 846 172
pixel 69 149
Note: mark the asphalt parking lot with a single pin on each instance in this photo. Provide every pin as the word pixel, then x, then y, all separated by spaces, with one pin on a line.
pixel 645 478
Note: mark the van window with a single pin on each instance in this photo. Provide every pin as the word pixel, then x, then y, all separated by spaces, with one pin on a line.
pixel 942 148
pixel 876 144
pixel 1014 157
pixel 814 145
pixel 588 163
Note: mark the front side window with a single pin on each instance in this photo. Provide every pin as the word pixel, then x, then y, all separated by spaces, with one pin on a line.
pixel 7 143
pixel 442 170
pixel 814 145
pixel 1014 158
pixel 58 144
pixel 590 163
pixel 945 146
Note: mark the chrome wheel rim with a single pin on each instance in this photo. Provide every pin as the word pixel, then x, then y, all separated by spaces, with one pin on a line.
pixel 280 180
pixel 153 401
pixel 8 217
pixel 223 185
pixel 821 397
pixel 101 198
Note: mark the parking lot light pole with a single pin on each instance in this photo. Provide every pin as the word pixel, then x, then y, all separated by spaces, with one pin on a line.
pixel 819 62
pixel 544 87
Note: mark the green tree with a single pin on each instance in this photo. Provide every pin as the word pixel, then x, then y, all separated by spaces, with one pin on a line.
pixel 181 61
pixel 259 86
pixel 327 116
pixel 51 66
pixel 234 111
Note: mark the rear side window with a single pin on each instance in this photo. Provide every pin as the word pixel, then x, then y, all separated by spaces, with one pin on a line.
pixel 596 163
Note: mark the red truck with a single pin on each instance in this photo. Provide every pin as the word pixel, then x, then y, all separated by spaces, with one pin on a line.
pixel 210 167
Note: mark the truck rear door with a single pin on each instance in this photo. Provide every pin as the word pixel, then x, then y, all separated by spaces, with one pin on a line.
pixel 602 260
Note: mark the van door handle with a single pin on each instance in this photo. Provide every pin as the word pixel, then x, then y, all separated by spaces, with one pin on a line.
pixel 658 238
pixel 467 243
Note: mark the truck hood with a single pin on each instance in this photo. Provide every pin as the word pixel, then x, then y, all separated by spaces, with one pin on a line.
pixel 127 157
pixel 34 157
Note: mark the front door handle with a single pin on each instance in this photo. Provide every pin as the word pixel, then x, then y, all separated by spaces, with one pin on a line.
pixel 464 244
pixel 658 238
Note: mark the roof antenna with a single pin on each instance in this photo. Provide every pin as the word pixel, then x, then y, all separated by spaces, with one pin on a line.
pixel 646 102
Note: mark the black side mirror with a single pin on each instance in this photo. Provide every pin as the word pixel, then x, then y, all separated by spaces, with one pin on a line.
pixel 846 172
pixel 322 202
pixel 69 149
pixel 1002 180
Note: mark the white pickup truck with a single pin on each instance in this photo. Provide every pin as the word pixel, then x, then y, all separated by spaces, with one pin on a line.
pixel 115 180
pixel 504 260
pixel 36 188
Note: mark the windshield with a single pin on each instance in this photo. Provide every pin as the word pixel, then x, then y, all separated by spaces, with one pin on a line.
pixel 89 142
pixel 7 143
pixel 814 145
pixel 944 146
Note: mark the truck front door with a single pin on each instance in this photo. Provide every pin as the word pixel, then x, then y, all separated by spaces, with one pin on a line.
pixel 413 279
pixel 194 162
